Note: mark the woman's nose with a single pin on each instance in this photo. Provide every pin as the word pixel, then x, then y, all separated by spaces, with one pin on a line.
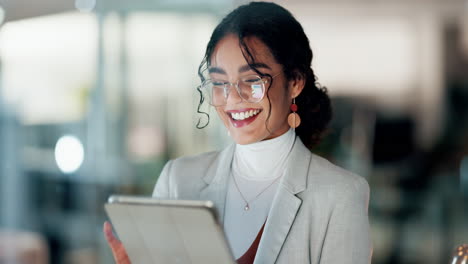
pixel 233 96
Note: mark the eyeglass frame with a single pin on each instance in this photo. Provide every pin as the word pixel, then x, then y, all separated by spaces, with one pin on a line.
pixel 236 85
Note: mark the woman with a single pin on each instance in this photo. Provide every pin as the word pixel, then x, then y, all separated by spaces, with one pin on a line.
pixel 278 202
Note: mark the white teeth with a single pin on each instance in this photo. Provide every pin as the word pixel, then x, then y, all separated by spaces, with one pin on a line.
pixel 244 115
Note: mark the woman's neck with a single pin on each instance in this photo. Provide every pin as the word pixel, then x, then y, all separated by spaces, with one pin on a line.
pixel 265 159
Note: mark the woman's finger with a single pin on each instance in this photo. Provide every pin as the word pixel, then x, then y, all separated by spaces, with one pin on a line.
pixel 118 250
pixel 111 239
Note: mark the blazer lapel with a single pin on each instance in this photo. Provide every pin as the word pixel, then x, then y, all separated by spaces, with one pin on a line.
pixel 216 179
pixel 285 205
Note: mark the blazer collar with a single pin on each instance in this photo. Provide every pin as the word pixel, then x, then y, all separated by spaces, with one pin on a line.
pixel 295 179
pixel 216 179
pixel 285 204
pixel 217 171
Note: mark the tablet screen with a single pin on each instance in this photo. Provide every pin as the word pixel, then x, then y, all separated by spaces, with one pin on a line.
pixel 159 231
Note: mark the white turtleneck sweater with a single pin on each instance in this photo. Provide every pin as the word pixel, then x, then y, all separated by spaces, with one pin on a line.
pixel 257 169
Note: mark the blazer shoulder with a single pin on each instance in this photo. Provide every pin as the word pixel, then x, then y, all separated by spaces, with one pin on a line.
pixel 326 174
pixel 193 165
pixel 182 177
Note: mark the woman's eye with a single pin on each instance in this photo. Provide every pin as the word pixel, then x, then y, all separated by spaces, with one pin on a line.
pixel 251 80
pixel 218 83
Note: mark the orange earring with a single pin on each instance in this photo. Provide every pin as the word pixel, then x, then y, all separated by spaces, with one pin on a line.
pixel 294 120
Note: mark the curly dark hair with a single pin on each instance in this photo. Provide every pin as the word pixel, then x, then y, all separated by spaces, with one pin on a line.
pixel 284 36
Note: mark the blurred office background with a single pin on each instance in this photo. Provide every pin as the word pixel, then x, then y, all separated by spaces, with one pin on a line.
pixel 96 95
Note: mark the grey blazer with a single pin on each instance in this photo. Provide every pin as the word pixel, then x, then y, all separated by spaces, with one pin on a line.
pixel 318 215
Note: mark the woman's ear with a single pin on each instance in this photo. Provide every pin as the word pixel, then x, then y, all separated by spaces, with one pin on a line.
pixel 296 84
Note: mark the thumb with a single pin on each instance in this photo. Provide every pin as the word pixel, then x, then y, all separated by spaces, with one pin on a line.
pixel 111 239
pixel 118 250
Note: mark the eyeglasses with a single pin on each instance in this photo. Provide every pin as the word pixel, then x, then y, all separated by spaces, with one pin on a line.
pixel 251 88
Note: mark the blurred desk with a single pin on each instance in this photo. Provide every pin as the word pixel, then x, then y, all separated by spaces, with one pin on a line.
pixel 22 247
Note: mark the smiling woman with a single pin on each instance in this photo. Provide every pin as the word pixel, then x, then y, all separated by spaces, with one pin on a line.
pixel 277 202
pixel 229 65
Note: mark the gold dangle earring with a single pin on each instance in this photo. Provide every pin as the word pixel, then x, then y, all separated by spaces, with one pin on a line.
pixel 294 120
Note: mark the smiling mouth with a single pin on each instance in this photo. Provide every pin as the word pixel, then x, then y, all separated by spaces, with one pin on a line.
pixel 238 116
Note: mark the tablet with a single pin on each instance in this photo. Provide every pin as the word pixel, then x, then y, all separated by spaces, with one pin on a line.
pixel 168 231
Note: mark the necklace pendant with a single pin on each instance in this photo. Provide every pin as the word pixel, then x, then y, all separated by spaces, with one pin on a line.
pixel 246 208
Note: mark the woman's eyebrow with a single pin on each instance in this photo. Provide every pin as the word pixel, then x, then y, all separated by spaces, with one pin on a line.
pixel 252 66
pixel 216 70
pixel 242 69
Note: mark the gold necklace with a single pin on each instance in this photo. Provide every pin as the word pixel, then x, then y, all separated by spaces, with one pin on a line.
pixel 247 206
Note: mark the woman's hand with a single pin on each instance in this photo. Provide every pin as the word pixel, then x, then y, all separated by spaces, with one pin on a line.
pixel 118 250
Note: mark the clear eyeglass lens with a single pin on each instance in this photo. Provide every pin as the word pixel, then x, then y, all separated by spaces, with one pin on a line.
pixel 251 89
pixel 217 91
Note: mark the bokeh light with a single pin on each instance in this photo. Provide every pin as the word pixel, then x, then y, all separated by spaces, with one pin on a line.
pixel 69 154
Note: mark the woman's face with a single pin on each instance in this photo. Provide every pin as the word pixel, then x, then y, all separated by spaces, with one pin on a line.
pixel 228 64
